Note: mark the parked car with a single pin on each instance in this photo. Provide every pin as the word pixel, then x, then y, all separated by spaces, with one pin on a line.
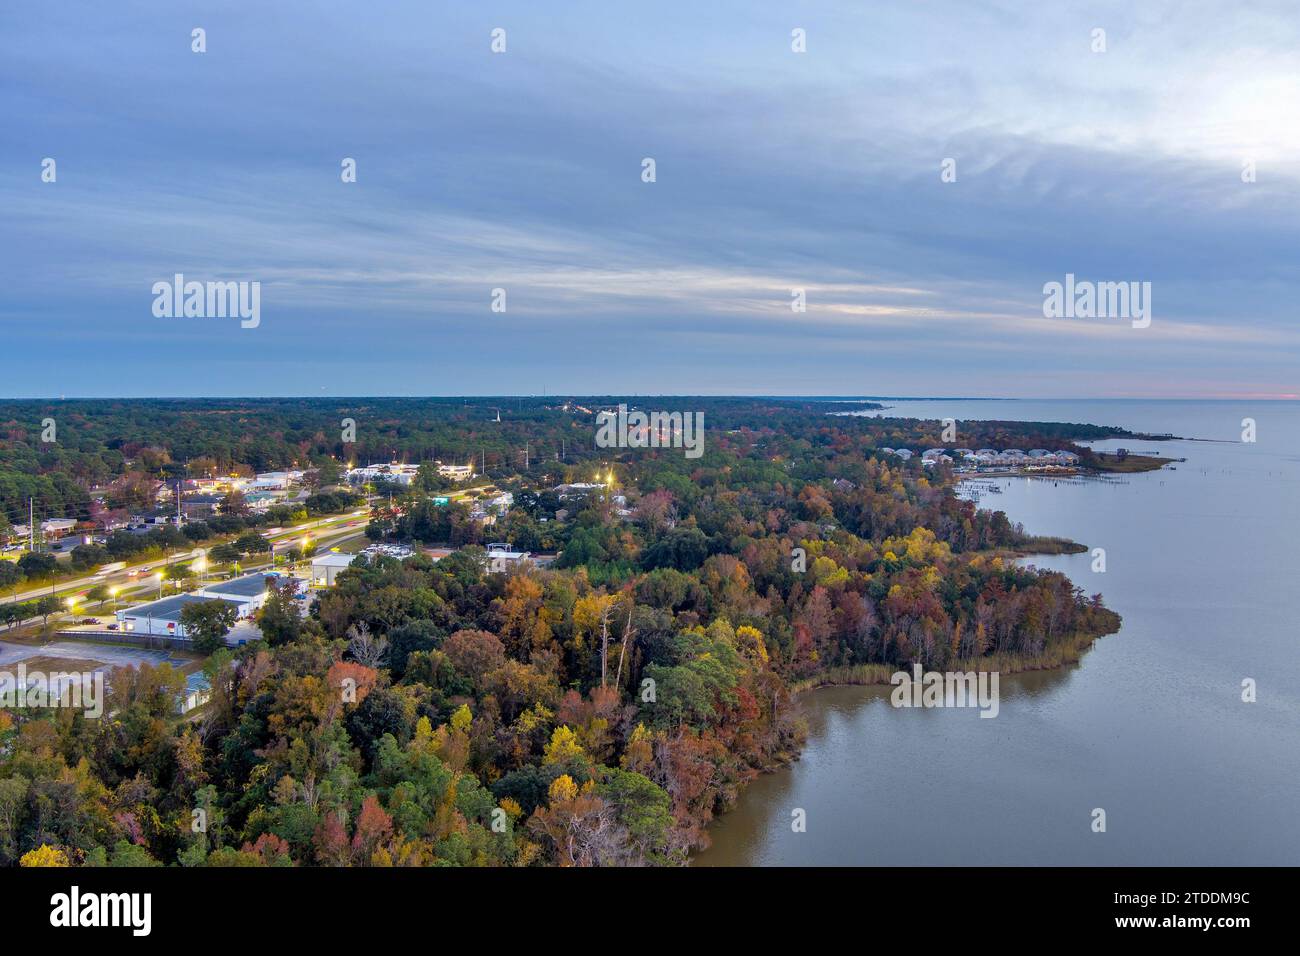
pixel 90 620
pixel 113 627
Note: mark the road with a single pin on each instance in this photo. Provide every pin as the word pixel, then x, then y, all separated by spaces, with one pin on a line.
pixel 322 532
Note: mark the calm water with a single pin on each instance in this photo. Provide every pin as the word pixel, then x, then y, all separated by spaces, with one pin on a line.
pixel 1202 563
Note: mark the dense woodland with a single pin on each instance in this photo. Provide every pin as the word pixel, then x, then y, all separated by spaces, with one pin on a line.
pixel 597 712
pixel 123 444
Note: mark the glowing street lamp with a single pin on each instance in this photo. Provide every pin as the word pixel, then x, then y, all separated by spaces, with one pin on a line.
pixel 159 578
pixel 112 592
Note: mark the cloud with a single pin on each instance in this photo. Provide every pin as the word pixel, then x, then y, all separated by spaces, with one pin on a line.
pixel 775 171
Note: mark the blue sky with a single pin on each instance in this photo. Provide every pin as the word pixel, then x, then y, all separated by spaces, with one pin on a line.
pixel 775 170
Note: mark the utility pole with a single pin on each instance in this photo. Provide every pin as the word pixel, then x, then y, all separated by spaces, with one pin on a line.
pixel 31 524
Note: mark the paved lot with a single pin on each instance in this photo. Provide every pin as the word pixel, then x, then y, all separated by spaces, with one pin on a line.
pixel 107 655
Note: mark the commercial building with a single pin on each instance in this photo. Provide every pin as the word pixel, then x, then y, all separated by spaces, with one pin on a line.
pixel 394 472
pixel 200 506
pixel 197 692
pixel 274 480
pixel 500 559
pixel 162 618
pixel 326 567
pixel 251 589
pixel 456 472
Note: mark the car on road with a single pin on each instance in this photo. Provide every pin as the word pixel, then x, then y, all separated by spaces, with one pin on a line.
pixel 90 620
pixel 113 627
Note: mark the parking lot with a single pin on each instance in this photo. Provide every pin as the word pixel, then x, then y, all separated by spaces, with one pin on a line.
pixel 105 655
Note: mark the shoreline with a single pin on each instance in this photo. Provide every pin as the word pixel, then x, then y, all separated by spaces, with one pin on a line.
pixel 1068 654
pixel 870 675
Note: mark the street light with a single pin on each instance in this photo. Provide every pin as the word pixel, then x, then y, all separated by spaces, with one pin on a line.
pixel 112 592
pixel 160 581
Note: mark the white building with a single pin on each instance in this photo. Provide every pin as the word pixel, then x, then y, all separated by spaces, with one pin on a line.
pixel 250 591
pixel 326 567
pixel 501 559
pixel 456 472
pixel 197 692
pixel 274 480
pixel 162 618
pixel 577 489
pixel 393 471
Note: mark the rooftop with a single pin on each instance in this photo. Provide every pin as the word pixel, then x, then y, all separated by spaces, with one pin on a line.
pixel 250 585
pixel 169 608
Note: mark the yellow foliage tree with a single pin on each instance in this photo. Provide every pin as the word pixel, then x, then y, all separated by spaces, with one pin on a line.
pixel 44 855
pixel 461 719
pixel 639 755
pixel 563 747
pixel 562 788
pixel 750 640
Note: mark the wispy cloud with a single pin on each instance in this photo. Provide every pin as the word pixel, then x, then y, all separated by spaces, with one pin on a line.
pixel 776 171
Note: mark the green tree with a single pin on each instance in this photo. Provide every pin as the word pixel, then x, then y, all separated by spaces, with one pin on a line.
pixel 207 623
pixel 224 554
pixel 279 619
pixel 252 543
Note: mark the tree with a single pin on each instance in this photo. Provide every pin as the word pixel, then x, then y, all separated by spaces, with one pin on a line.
pixel 34 564
pixel 10 574
pixel 126 854
pixel 206 623
pixel 279 619
pixel 580 828
pixel 44 855
pixel 86 556
pixel 405 639
pixel 224 554
pixel 366 649
pixel 235 504
pixel 13 802
pixel 46 606
pixel 252 543
pixel 643 808
pixel 374 829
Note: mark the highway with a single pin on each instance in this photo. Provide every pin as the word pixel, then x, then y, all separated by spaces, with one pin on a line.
pixel 322 532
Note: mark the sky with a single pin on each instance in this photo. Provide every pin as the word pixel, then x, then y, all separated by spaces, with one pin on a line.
pixel 774 170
